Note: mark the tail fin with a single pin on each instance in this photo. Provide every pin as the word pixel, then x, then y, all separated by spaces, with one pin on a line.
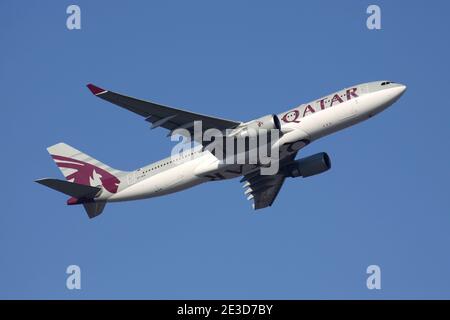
pixel 82 169
pixel 86 178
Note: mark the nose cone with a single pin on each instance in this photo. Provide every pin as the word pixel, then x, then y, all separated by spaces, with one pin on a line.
pixel 398 90
pixel 402 89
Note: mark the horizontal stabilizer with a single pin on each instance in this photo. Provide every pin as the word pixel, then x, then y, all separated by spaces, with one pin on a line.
pixel 72 189
pixel 93 209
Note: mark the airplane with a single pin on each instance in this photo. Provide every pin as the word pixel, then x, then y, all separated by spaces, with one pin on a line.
pixel 93 184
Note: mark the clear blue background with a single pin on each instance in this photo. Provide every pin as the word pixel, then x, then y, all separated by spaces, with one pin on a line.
pixel 384 202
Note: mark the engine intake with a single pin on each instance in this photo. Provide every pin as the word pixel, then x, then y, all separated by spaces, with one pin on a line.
pixel 253 127
pixel 309 166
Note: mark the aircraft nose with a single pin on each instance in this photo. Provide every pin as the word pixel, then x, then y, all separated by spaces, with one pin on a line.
pixel 400 88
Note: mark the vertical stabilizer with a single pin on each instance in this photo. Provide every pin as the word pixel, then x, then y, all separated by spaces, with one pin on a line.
pixel 80 168
pixel 87 178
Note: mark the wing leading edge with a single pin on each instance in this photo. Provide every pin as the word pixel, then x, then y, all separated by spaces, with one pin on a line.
pixel 163 116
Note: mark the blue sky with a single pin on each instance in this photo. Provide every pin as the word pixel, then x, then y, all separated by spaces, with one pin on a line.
pixel 384 202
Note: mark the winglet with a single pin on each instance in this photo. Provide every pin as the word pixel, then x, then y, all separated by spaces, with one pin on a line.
pixel 95 90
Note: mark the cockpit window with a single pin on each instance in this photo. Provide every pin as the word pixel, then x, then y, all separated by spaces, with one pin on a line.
pixel 385 83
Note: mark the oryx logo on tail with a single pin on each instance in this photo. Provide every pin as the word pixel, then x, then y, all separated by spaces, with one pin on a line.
pixel 87 174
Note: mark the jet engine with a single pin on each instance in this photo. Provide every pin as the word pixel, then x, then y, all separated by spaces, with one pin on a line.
pixel 252 128
pixel 309 166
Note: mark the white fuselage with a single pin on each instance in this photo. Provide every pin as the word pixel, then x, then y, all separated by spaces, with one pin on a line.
pixel 307 122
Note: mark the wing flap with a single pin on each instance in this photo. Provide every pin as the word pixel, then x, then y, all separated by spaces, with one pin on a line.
pixel 263 189
pixel 264 192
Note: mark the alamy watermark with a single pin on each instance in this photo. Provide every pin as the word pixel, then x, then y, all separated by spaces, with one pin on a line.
pixel 243 145
pixel 374 279
pixel 373 22
pixel 73 21
pixel 73 281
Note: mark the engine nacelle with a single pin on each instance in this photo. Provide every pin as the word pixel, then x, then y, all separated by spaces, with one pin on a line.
pixel 309 166
pixel 254 127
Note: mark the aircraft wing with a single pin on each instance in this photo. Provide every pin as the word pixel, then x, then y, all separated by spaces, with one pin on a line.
pixel 163 116
pixel 263 189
